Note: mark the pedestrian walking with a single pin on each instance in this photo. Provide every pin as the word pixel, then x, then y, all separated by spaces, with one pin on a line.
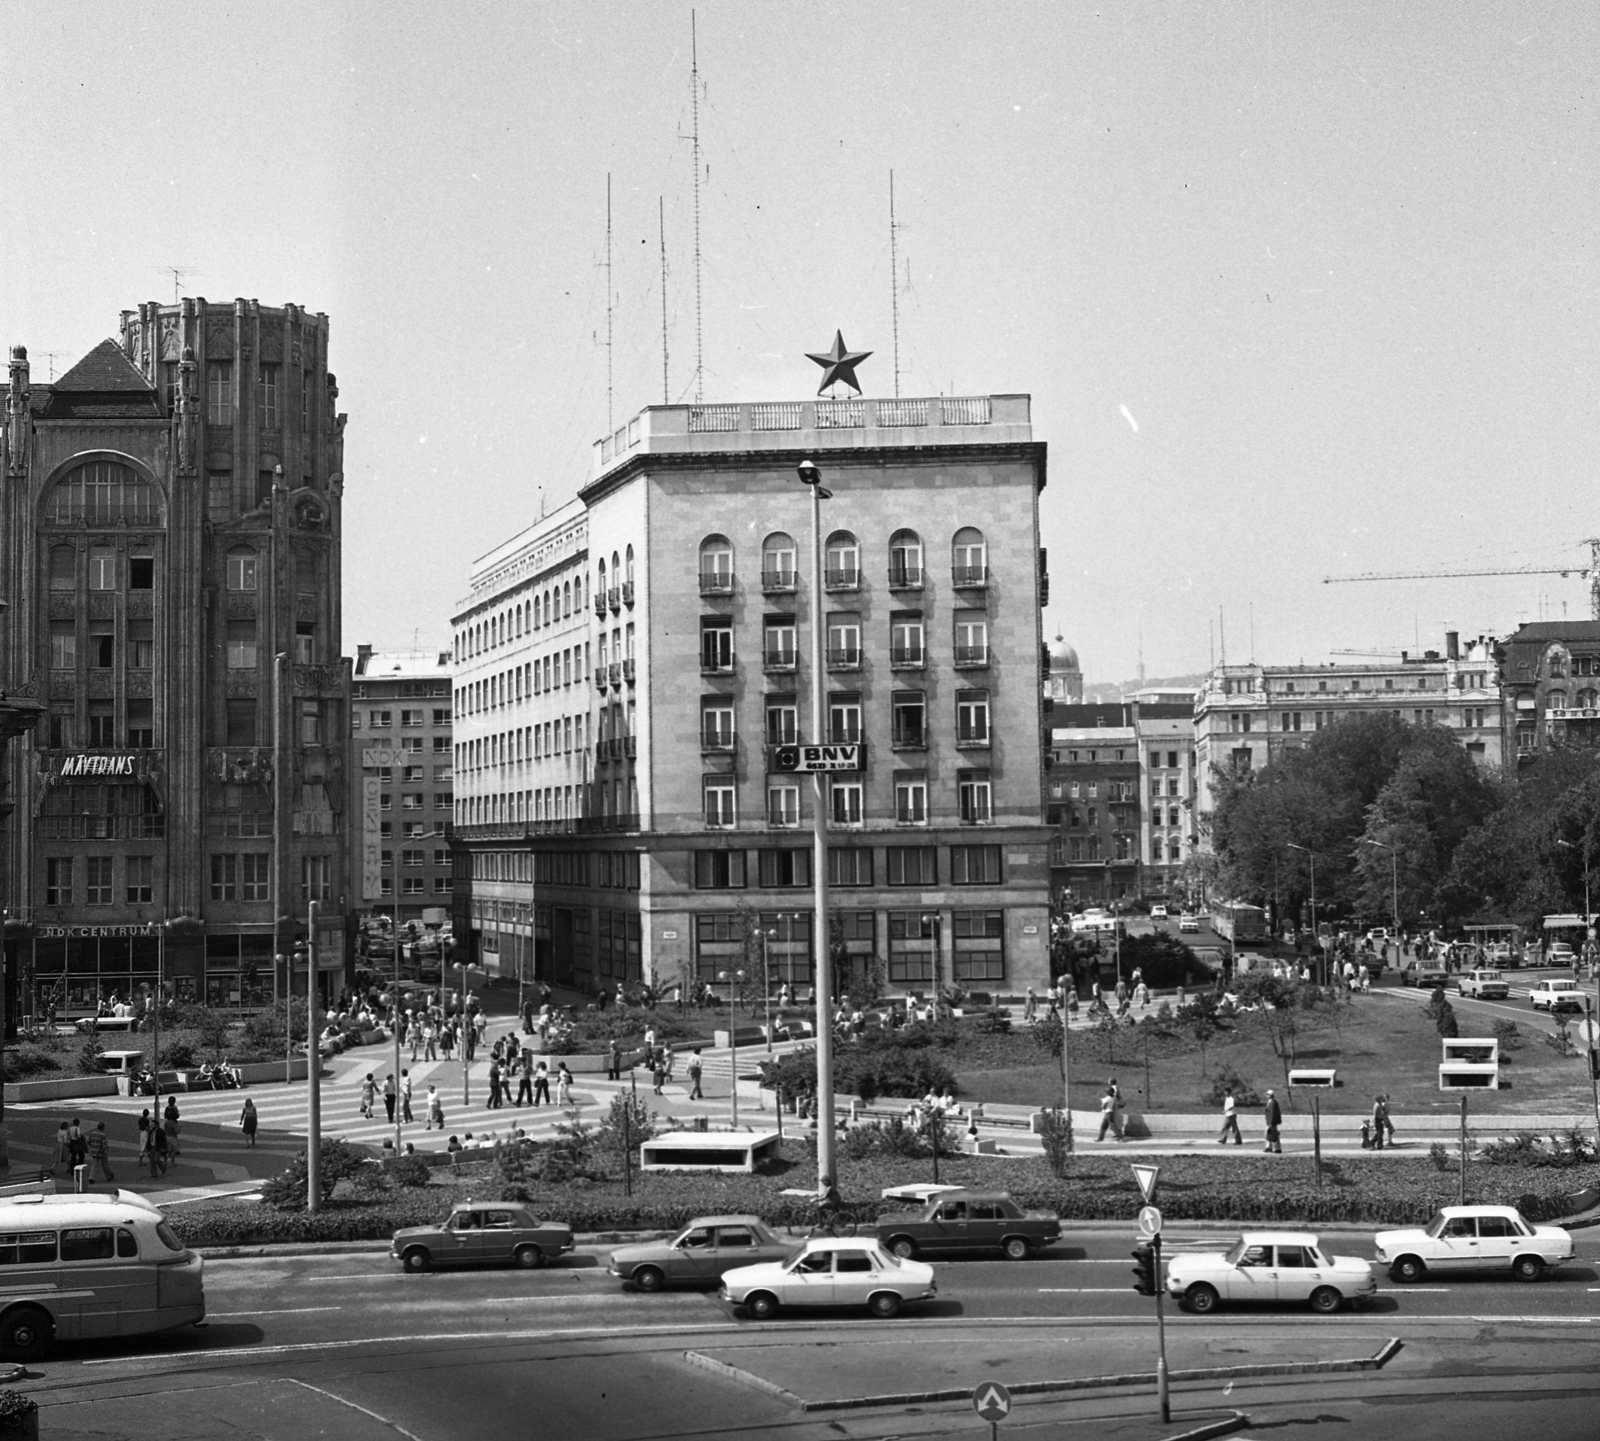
pixel 541 1085
pixel 248 1120
pixel 563 1085
pixel 430 1043
pixel 525 1083
pixel 77 1145
pixel 1230 1120
pixel 614 1060
pixel 158 1150
pixel 506 1072
pixel 414 1034
pixel 494 1085
pixel 1378 1128
pixel 1273 1115
pixel 169 1124
pixel 658 1067
pixel 1108 1116
pixel 405 1096
pixel 435 1110
pixel 391 1093
pixel 1388 1125
pixel 696 1068
pixel 63 1153
pixel 369 1094
pixel 100 1151
pixel 144 1136
pixel 1030 1007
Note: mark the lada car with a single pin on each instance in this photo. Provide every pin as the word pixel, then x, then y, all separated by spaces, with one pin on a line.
pixel 1269 1266
pixel 968 1220
pixel 830 1271
pixel 1473 1238
pixel 499 1233
pixel 1483 985
pixel 1188 921
pixel 1158 913
pixel 1555 994
pixel 700 1253
pixel 1423 974
pixel 1560 954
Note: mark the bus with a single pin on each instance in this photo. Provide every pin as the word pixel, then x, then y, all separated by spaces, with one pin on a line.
pixel 96 1264
pixel 1239 922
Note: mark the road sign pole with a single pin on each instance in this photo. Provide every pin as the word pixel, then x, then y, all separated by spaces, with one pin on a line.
pixel 1161 1339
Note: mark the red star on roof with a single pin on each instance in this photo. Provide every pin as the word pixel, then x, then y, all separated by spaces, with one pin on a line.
pixel 839 364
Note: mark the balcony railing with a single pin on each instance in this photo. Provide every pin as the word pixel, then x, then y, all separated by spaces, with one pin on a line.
pixel 844 657
pixel 777 579
pixel 780 659
pixel 599 677
pixel 783 819
pixel 707 418
pixel 614 673
pixel 600 603
pixel 627 670
pixel 842 577
pixel 902 412
pixel 717 742
pixel 840 414
pixel 716 582
pixel 775 415
pixel 844 735
pixel 906 657
pixel 627 593
pixel 972 655
pixel 973 739
pixel 716 665
pixel 906 739
pixel 614 598
pixel 969 577
pixel 630 746
pixel 905 577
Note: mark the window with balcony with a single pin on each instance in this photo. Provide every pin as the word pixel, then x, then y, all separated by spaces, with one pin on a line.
pixel 905 560
pixel 716 724
pixel 844 718
pixel 844 640
pixel 782 720
pixel 841 562
pixel 908 712
pixel 716 645
pixel 720 803
pixel 778 651
pixel 778 557
pixel 969 558
pixel 783 806
pixel 972 638
pixel 845 803
pixel 972 717
pixel 716 566
pixel 906 639
pixel 973 793
pixel 911 798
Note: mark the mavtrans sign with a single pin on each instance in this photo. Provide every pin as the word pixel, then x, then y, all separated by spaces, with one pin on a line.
pixel 74 767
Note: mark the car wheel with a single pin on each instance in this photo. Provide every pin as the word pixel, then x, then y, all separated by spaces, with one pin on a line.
pixel 903 1247
pixel 416 1259
pixel 25 1334
pixel 530 1258
pixel 649 1278
pixel 762 1305
pixel 885 1305
pixel 1408 1268
pixel 1325 1300
pixel 1015 1247
pixel 1527 1268
pixel 1201 1299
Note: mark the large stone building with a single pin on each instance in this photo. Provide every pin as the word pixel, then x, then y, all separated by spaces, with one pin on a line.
pixel 1246 715
pixel 402 767
pixel 627 667
pixel 1549 675
pixel 171 568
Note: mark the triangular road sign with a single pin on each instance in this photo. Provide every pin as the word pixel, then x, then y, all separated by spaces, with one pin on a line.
pixel 1147 1176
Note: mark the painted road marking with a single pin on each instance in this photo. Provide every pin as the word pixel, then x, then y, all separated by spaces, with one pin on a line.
pixel 287 1311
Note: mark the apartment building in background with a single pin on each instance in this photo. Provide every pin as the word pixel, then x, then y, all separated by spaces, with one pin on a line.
pixel 627 669
pixel 1549 673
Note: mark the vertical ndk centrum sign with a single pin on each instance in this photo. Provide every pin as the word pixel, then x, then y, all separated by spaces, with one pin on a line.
pixel 372 758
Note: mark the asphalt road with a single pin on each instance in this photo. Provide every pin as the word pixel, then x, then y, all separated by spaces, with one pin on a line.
pixel 347 1345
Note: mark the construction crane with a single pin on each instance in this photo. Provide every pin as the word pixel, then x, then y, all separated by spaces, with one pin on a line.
pixel 1590 572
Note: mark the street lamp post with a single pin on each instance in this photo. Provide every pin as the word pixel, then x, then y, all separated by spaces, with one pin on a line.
pixel 733 978
pixel 766 980
pixel 1316 940
pixel 827 1173
pixel 1394 886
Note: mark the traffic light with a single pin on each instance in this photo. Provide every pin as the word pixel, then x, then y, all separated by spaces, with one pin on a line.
pixel 1144 1270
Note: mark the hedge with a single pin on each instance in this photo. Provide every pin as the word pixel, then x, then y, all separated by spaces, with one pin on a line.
pixel 1193 1188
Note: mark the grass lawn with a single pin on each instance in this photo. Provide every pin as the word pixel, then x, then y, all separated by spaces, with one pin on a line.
pixel 1380 1044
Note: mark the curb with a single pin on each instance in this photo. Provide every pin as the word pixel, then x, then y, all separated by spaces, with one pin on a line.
pixel 1039 1388
pixel 1220 1427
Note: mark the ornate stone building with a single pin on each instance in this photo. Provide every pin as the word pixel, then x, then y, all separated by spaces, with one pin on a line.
pixel 171 567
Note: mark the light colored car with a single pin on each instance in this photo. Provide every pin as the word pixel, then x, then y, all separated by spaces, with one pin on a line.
pixel 1425 975
pixel 1158 913
pixel 1501 954
pixel 700 1253
pixel 1473 1238
pixel 1560 954
pixel 1269 1266
pixel 1188 921
pixel 1378 935
pixel 830 1271
pixel 1555 994
pixel 1483 985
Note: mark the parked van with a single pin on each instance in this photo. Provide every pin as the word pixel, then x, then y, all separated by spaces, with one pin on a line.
pixel 97 1264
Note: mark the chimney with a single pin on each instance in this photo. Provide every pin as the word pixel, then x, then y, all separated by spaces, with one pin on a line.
pixel 1452 645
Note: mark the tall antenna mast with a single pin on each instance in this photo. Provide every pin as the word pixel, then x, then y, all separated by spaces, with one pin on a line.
pixel 661 218
pixel 694 100
pixel 609 294
pixel 894 285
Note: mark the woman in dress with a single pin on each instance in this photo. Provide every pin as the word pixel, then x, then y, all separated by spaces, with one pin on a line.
pixel 247 1122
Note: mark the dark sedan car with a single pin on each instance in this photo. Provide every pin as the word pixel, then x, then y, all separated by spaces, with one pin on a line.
pixel 479 1234
pixel 700 1253
pixel 969 1221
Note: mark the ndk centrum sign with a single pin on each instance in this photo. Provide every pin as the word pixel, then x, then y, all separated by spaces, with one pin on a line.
pixel 820 758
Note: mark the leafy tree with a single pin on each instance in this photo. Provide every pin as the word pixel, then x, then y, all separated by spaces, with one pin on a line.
pixel 339 1161
pixel 1280 1001
pixel 1164 959
pixel 1442 1014
pixel 1055 1132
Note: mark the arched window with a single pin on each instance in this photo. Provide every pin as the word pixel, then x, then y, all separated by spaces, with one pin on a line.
pixel 241 568
pixel 905 560
pixel 969 557
pixel 841 562
pixel 1586 700
pixel 716 565
pixel 566 599
pixel 102 493
pixel 778 562
pixel 629 572
pixel 602 570
pixel 1555 700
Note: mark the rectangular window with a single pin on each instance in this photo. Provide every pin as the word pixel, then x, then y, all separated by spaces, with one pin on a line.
pixel 908 713
pixel 783 805
pixel 58 881
pixel 97 881
pixel 973 792
pixel 267 396
pixel 380 719
pixel 255 879
pixel 311 729
pixel 978 954
pixel 906 638
pixel 241 645
pixel 141 645
pixel 241 722
pixel 784 869
pixel 141 885
pixel 63 568
pixel 316 878
pixel 972 717
pixel 219 496
pixel 911 798
pixel 716 644
pixel 219 392
pixel 778 646
pixel 224 878
pixel 305 642
pixel 410 717
pixel 974 865
pixel 844 640
pixel 102 644
pixel 912 947
pixel 844 718
pixel 716 724
pixel 102 725
pixel 911 866
pixel 972 638
pixel 102 568
pixel 719 870
pixel 63 645
pixel 845 803
pixel 783 720
pixel 720 802
pixel 849 865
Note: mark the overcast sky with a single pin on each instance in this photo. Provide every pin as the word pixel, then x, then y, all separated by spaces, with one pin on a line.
pixel 1297 289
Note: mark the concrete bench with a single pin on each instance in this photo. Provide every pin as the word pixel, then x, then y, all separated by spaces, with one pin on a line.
pixel 1314 1076
pixel 743 1035
pixel 1469 1063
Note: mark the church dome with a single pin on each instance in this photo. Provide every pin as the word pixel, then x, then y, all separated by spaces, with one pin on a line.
pixel 1062 656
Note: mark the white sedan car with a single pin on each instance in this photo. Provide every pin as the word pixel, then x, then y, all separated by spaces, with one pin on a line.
pixel 1158 913
pixel 1484 985
pixel 1555 995
pixel 830 1271
pixel 1473 1238
pixel 1275 1266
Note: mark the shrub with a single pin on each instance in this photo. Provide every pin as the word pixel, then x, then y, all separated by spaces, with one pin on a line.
pixel 176 1055
pixel 15 1412
pixel 996 1021
pixel 873 1071
pixel 898 1137
pixel 1509 1037
pixel 1244 1092
pixel 1165 961
pixel 1440 1157
pixel 339 1161
pixel 89 1061
pixel 27 1062
pixel 1563 1152
pixel 1056 1133
pixel 410 1171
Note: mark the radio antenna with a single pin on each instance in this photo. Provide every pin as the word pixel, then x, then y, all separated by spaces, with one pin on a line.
pixel 661 218
pixel 694 136
pixel 609 293
pixel 894 285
